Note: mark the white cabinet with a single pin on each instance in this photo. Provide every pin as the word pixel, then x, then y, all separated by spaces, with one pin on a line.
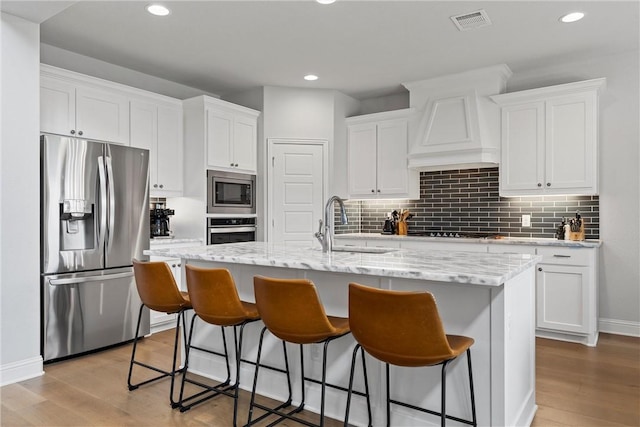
pixel 157 126
pixel 231 137
pixel 567 292
pixel 549 140
pixel 78 108
pixel 377 157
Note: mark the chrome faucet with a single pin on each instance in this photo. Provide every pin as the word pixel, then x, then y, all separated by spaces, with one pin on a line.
pixel 325 238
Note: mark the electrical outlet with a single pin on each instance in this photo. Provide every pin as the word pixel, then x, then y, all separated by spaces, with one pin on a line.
pixel 526 220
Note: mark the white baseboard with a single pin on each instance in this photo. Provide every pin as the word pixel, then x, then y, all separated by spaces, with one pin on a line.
pixel 619 327
pixel 21 370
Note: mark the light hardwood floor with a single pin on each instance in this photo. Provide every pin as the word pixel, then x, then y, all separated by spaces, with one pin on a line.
pixel 576 386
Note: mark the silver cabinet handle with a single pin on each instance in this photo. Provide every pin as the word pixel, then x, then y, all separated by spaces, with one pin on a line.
pixel 561 256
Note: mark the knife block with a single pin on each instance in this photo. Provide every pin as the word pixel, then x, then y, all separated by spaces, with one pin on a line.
pixel 402 228
pixel 577 235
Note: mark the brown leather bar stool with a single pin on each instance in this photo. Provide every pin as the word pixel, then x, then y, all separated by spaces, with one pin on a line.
pixel 291 310
pixel 158 291
pixel 215 300
pixel 404 329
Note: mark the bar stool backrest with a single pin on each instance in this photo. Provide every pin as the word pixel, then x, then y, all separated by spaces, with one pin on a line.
pixel 398 327
pixel 157 287
pixel 214 295
pixel 291 309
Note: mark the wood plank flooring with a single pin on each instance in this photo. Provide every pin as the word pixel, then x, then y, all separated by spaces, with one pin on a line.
pixel 576 386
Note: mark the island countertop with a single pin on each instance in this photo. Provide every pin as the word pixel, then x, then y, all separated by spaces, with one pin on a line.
pixel 489 269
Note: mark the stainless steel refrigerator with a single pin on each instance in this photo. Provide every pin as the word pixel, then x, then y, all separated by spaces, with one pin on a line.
pixel 94 221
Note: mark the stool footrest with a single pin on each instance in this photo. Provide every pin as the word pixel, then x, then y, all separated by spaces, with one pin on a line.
pixel 429 411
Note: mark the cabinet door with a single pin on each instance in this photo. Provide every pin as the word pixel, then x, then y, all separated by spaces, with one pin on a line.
pixel 361 167
pixel 219 137
pixel 102 115
pixel 392 166
pixel 57 106
pixel 144 134
pixel 245 144
pixel 571 161
pixel 522 167
pixel 562 298
pixel 170 149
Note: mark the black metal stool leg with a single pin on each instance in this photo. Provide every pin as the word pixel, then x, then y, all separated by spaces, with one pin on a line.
pixel 351 375
pixel 133 352
pixel 388 397
pixel 175 404
pixel 366 387
pixel 255 376
pixel 186 359
pixel 443 397
pixel 473 398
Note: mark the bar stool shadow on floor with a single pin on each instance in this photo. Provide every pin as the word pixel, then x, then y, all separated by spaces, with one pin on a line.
pixel 404 329
pixel 291 310
pixel 158 291
pixel 215 300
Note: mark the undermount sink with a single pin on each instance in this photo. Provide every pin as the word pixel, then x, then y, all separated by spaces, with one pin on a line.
pixel 361 249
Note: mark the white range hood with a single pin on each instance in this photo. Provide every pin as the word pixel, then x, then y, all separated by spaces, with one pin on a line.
pixel 457 125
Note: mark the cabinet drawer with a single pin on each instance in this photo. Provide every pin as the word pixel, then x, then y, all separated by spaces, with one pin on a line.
pixel 566 256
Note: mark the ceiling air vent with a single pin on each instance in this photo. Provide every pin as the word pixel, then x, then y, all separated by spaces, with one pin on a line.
pixel 469 21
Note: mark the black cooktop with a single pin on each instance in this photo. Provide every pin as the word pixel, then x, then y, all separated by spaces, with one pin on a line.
pixel 455 234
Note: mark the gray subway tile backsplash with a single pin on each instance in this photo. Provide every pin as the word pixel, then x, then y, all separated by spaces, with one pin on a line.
pixel 468 200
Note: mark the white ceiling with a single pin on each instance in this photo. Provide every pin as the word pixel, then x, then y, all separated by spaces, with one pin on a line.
pixel 362 48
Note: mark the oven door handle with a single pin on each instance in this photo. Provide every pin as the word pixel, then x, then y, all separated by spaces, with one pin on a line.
pixel 214 230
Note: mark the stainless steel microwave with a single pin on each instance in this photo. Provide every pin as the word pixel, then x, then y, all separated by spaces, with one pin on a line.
pixel 230 193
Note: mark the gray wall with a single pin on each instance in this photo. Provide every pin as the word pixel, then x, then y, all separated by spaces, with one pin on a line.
pixel 20 201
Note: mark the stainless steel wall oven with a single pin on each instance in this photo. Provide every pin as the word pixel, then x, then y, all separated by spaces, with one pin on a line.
pixel 230 230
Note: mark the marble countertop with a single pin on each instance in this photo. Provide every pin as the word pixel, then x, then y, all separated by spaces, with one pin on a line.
pixel 173 241
pixel 502 241
pixel 487 269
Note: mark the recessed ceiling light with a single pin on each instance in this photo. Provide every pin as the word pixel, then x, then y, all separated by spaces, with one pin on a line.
pixel 326 1
pixel 572 17
pixel 311 77
pixel 158 10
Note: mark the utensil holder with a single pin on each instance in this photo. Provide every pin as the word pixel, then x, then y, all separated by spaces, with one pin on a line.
pixel 577 235
pixel 402 228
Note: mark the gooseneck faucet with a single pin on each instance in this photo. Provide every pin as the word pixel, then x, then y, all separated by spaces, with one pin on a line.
pixel 325 238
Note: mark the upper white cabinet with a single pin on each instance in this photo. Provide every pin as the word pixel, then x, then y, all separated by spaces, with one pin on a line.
pixel 377 157
pixel 157 126
pixel 231 136
pixel 457 124
pixel 550 140
pixel 70 104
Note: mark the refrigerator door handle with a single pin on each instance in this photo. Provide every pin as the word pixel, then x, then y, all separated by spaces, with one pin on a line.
pixel 103 201
pixel 112 204
pixel 69 281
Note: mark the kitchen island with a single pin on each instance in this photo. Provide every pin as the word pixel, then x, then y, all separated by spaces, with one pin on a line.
pixel 489 297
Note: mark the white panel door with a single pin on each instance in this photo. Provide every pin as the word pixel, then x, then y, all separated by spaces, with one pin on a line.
pixel 297 192
pixel 144 134
pixel 245 144
pixel 170 148
pixel 219 139
pixel 562 298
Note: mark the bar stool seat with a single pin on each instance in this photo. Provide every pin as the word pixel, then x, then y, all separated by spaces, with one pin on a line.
pixel 215 300
pixel 291 310
pixel 405 329
pixel 158 291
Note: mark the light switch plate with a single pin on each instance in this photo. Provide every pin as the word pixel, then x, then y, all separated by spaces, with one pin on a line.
pixel 526 220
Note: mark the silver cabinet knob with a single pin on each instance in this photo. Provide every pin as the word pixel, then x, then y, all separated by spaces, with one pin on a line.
pixel 231 164
pixel 155 185
pixel 539 268
pixel 378 190
pixel 80 133
pixel 539 185
pixel 373 191
pixel 73 132
pixel 161 186
pixel 548 184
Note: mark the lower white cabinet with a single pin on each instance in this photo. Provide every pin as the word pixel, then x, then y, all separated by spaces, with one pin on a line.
pixel 162 321
pixel 567 293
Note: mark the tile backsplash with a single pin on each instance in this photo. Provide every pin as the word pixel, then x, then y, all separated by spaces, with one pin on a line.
pixel 468 200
